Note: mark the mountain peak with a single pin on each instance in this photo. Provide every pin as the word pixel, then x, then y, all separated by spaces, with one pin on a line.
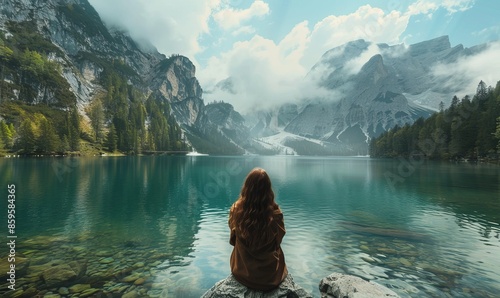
pixel 435 45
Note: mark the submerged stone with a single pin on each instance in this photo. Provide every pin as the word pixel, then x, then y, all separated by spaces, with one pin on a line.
pixel 21 267
pixel 88 292
pixel 106 260
pixel 63 291
pixel 79 288
pixel 405 262
pixel 58 275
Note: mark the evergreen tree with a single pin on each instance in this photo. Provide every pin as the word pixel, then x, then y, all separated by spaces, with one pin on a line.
pixel 441 106
pixel 27 139
pixel 497 134
pixel 73 130
pixel 48 141
pixel 2 146
pixel 111 139
pixel 468 129
pixel 64 146
pixel 7 133
pixel 96 115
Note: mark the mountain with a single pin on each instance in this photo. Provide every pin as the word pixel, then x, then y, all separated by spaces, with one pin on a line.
pixel 67 78
pixel 368 95
pixel 154 102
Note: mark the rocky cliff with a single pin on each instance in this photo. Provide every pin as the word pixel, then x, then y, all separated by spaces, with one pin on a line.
pixel 86 50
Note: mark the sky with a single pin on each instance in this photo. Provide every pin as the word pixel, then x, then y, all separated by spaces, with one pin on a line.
pixel 268 46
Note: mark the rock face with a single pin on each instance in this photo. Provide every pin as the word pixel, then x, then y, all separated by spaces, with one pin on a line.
pixel 231 288
pixel 84 47
pixel 339 285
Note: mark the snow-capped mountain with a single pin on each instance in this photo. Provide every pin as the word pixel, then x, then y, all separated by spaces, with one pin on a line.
pixel 373 87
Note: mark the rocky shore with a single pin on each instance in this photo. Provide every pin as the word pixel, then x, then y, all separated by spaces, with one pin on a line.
pixel 336 285
pixel 54 267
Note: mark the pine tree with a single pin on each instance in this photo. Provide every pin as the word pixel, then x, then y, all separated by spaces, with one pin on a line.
pixel 111 139
pixel 48 141
pixel 1 141
pixel 27 139
pixel 96 115
pixel 7 132
pixel 497 134
pixel 73 130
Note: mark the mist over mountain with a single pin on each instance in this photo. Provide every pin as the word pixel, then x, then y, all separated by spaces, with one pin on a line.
pixel 366 89
pixel 353 93
pixel 139 88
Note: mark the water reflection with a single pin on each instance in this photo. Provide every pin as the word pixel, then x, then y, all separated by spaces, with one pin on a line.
pixel 164 219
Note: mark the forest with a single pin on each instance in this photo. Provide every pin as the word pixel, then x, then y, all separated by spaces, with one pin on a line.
pixel 469 129
pixel 39 113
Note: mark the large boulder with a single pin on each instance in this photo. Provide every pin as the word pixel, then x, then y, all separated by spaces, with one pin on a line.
pixel 61 274
pixel 338 285
pixel 231 288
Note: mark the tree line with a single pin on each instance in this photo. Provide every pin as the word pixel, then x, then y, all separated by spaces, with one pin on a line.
pixel 468 129
pixel 122 119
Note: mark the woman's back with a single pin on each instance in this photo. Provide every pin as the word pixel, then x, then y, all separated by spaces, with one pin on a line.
pixel 257 229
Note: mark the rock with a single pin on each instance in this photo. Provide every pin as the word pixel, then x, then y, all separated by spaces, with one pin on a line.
pixel 231 288
pixel 139 281
pixel 405 262
pixel 131 294
pixel 14 294
pixel 106 260
pixel 364 247
pixel 58 275
pixel 51 295
pixel 63 291
pixel 78 288
pixel 79 268
pixel 30 292
pixel 131 278
pixel 88 292
pixel 339 285
pixel 22 265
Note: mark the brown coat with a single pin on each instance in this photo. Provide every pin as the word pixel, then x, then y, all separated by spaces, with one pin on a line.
pixel 260 268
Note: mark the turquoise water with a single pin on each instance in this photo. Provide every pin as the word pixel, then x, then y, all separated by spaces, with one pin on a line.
pixel 420 228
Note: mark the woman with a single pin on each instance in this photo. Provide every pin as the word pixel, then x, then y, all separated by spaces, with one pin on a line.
pixel 257 228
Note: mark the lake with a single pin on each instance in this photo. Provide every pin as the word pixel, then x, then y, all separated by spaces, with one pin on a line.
pixel 157 225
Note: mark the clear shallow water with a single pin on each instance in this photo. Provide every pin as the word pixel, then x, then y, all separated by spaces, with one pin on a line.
pixel 429 229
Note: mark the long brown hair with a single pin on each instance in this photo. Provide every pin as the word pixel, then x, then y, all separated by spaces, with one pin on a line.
pixel 253 211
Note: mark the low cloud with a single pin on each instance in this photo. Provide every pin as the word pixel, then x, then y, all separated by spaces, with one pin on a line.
pixel 465 74
pixel 266 74
pixel 354 66
pixel 261 75
pixel 368 23
pixel 231 18
pixel 173 27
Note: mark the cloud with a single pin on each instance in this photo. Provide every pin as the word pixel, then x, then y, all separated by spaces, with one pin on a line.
pixel 465 73
pixel 369 23
pixel 354 66
pixel 171 26
pixel 429 6
pixel 489 33
pixel 264 74
pixel 243 30
pixel 230 18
